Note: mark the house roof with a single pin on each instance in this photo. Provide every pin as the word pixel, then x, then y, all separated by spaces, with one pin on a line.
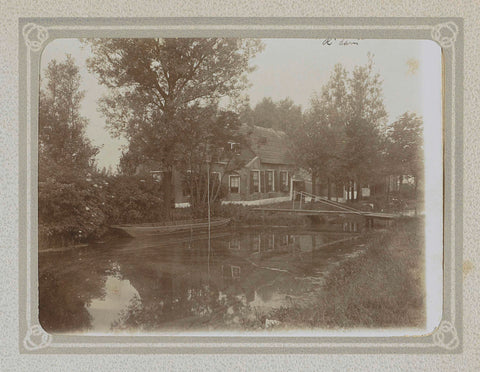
pixel 268 144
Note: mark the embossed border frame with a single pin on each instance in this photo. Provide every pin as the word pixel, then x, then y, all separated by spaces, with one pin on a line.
pixel 35 33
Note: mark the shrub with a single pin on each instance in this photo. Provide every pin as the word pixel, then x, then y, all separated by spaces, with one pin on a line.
pixel 78 208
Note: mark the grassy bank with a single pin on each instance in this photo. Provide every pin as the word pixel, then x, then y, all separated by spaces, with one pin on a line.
pixel 382 288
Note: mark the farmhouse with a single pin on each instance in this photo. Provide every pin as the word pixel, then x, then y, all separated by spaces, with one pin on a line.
pixel 268 166
pixel 265 168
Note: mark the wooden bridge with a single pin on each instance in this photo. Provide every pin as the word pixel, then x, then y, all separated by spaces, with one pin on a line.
pixel 343 210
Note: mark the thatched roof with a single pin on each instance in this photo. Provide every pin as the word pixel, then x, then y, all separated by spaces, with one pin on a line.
pixel 268 144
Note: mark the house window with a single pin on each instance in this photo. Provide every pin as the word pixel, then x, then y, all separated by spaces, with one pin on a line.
pixel 235 271
pixel 255 181
pixel 257 243
pixel 271 242
pixel 234 184
pixel 269 181
pixel 283 181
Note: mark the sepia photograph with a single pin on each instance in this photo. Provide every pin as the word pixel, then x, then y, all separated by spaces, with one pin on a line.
pixel 240 186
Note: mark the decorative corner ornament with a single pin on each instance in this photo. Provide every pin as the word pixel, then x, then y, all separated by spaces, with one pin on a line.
pixel 34 35
pixel 445 34
pixel 36 338
pixel 446 336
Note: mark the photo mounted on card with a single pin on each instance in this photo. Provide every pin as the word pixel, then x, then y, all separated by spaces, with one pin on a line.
pixel 241 185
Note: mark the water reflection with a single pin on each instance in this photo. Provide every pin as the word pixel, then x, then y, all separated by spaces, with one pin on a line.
pixel 106 310
pixel 158 284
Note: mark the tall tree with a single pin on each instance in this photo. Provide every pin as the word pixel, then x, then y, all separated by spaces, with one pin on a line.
pixel 329 110
pixel 206 150
pixel 265 113
pixel 289 114
pixel 63 146
pixel 152 81
pixel 67 208
pixel 344 128
pixel 405 147
pixel 311 143
pixel 365 125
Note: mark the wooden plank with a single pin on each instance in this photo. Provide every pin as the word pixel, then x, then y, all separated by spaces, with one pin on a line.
pixel 314 212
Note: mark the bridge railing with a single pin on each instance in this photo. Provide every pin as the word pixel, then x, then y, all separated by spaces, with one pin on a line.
pixel 304 194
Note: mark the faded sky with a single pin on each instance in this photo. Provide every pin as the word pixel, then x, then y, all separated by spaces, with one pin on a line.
pixel 292 68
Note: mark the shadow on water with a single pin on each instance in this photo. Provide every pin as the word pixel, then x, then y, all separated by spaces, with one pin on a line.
pixel 173 283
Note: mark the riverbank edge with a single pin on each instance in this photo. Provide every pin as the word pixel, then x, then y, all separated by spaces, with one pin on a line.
pixel 382 288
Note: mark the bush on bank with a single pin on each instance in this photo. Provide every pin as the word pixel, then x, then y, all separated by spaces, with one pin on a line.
pixel 76 208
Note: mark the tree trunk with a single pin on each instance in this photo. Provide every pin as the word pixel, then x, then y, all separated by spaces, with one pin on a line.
pixel 329 194
pixel 359 191
pixel 352 190
pixel 167 194
pixel 387 192
pixel 415 195
pixel 314 182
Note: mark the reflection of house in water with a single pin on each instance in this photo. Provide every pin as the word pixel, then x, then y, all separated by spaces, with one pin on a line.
pixel 261 244
pixel 235 272
pixel 234 244
pixel 350 226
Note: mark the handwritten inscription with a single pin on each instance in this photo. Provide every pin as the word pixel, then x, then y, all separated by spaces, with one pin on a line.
pixel 343 42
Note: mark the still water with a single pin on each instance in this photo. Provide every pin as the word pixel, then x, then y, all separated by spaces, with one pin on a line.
pixel 180 283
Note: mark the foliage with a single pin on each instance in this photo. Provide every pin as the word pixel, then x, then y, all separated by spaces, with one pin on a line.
pixel 405 146
pixel 62 139
pixel 79 209
pixel 75 202
pixel 156 84
pixel 132 199
pixel 342 133
pixel 318 142
pixel 67 210
pixel 365 124
pixel 207 131
pixel 281 115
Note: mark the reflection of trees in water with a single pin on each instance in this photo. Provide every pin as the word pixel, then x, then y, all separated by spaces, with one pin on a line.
pixel 177 287
pixel 177 290
pixel 65 291
pixel 187 303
